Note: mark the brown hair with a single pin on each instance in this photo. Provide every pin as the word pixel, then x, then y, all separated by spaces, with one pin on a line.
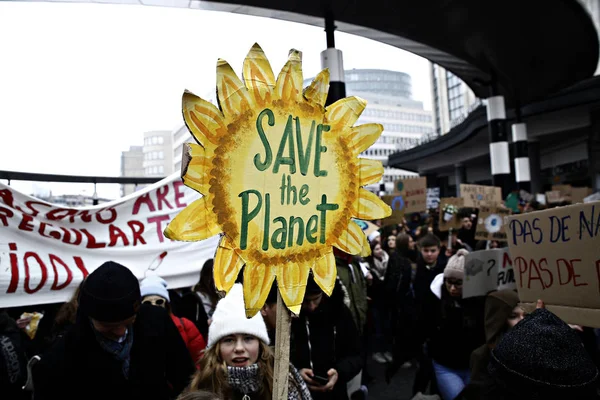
pixel 199 395
pixel 206 284
pixel 212 374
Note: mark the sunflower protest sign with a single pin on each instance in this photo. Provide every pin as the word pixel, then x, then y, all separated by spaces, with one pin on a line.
pixel 281 178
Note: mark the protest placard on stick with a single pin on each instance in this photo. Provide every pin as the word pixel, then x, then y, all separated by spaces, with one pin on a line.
pixel 476 195
pixel 490 224
pixel 486 271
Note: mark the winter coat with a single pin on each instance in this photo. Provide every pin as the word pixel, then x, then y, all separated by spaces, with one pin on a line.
pixel 454 327
pixel 13 364
pixel 191 307
pixel 397 281
pixel 191 337
pixel 354 282
pixel 334 343
pixel 76 367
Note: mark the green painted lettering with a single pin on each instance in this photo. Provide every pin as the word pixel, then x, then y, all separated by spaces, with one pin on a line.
pixel 320 149
pixel 280 234
pixel 248 216
pixel 265 243
pixel 303 193
pixel 282 188
pixel 288 139
pixel 304 156
pixel 296 221
pixel 261 166
pixel 324 207
pixel 311 229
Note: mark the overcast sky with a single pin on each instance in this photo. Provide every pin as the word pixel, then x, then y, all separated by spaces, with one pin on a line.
pixel 79 83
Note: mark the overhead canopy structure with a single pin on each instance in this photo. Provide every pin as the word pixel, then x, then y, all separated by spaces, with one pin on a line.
pixel 529 48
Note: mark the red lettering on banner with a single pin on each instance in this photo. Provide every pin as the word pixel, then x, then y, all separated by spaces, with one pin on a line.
pixel 159 230
pixel 85 215
pixel 79 263
pixel 26 224
pixel 55 286
pixel 161 198
pixel 137 229
pixel 5 213
pixel 109 220
pixel 91 241
pixel 67 236
pixel 143 199
pixel 29 204
pixel 14 269
pixel 56 214
pixel 178 194
pixel 43 268
pixel 53 234
pixel 116 234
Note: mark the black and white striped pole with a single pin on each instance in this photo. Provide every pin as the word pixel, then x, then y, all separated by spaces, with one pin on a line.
pixel 332 58
pixel 499 154
pixel 521 153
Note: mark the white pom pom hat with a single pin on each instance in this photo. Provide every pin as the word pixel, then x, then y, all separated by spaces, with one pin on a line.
pixel 230 319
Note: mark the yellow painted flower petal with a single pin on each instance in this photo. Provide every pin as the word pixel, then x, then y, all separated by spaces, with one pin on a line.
pixel 258 75
pixel 325 272
pixel 291 280
pixel 232 95
pixel 370 206
pixel 227 265
pixel 195 222
pixel 366 250
pixel 369 171
pixel 318 89
pixel 258 280
pixel 361 137
pixel 344 113
pixel 203 120
pixel 195 167
pixel 289 81
pixel 351 239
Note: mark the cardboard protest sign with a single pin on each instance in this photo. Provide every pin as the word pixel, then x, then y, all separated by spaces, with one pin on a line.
pixel 486 271
pixel 476 195
pixel 281 177
pixel 566 191
pixel 556 258
pixel 578 195
pixel 433 198
pixel 397 205
pixel 46 250
pixel 414 194
pixel 490 224
pixel 449 218
pixel 554 197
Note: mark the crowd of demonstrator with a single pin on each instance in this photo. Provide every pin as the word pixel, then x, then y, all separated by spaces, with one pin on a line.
pixel 118 338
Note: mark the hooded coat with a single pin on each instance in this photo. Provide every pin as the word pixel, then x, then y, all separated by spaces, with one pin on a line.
pixel 13 371
pixel 77 367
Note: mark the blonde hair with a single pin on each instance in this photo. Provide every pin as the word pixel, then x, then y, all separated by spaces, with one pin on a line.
pixel 212 374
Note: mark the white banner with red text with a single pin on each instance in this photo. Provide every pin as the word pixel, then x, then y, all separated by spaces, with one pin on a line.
pixel 46 250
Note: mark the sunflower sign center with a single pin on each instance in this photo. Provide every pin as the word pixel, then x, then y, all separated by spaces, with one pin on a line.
pixel 298 152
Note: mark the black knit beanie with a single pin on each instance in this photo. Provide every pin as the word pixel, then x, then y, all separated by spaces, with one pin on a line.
pixel 542 356
pixel 110 294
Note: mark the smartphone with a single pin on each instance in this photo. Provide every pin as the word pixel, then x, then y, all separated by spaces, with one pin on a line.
pixel 320 380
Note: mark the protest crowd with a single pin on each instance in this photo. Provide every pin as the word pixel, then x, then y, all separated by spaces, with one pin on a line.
pixel 403 307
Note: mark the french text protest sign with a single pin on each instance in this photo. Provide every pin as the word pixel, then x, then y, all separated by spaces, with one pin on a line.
pixel 486 271
pixel 476 195
pixel 46 250
pixel 556 258
pixel 433 198
pixel 490 223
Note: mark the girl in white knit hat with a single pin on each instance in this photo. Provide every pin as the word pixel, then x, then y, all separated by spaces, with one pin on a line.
pixel 238 363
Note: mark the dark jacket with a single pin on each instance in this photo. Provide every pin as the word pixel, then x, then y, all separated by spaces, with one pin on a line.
pixel 13 364
pixel 77 367
pixel 334 343
pixel 190 307
pixel 454 327
pixel 351 276
pixel 424 276
pixel 396 285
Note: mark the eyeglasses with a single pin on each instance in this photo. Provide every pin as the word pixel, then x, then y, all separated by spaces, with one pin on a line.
pixel 454 282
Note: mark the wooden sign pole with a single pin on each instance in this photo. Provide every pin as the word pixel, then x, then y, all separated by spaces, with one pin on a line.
pixel 282 350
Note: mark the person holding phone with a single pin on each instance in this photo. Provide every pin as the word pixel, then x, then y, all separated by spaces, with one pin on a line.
pixel 325 344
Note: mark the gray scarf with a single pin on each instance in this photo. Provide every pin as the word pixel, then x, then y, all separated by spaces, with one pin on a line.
pixel 245 380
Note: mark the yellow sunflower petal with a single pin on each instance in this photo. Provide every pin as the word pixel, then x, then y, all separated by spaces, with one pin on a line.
pixel 258 280
pixel 366 250
pixel 227 265
pixel 258 75
pixel 289 81
pixel 232 95
pixel 351 239
pixel 195 222
pixel 361 137
pixel 195 167
pixel 203 120
pixel 291 280
pixel 325 272
pixel 370 206
pixel 318 89
pixel 369 171
pixel 344 113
